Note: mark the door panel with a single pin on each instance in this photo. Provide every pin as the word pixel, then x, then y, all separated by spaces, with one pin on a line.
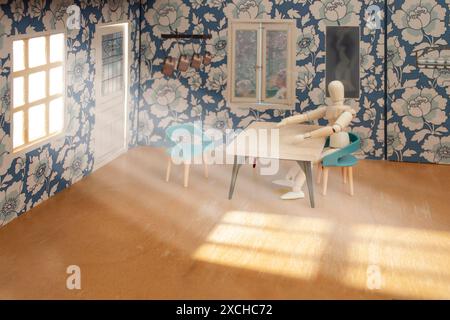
pixel 110 93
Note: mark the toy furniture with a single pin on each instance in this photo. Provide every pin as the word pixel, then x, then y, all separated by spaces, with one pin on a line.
pixel 195 146
pixel 304 153
pixel 342 158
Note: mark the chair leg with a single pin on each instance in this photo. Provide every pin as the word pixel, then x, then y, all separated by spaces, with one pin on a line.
pixel 169 167
pixel 206 170
pixel 344 174
pixel 186 174
pixel 325 181
pixel 319 172
pixel 205 167
pixel 350 179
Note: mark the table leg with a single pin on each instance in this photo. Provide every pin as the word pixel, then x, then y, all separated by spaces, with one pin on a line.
pixel 306 166
pixel 236 167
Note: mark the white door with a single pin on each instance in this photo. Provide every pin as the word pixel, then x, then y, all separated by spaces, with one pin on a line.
pixel 110 87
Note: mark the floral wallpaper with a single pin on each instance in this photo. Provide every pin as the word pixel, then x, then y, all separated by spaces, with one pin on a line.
pixel 192 95
pixel 28 179
pixel 418 105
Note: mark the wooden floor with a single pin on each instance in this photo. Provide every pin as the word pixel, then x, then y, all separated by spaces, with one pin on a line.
pixel 136 236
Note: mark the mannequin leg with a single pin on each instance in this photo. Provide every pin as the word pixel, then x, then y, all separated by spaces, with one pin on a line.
pixel 288 181
pixel 296 192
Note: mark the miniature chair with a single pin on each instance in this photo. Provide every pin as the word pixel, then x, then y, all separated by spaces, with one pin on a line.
pixel 196 146
pixel 342 158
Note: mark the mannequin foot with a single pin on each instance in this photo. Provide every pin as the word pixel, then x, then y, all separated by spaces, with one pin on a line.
pixel 293 195
pixel 284 183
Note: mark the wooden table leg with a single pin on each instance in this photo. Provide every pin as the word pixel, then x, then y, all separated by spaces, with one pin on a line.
pixel 236 167
pixel 306 166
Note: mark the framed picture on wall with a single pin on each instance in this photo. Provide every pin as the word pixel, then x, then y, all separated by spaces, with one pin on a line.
pixel 342 58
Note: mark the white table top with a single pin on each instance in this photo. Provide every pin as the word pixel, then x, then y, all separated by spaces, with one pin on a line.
pixel 252 143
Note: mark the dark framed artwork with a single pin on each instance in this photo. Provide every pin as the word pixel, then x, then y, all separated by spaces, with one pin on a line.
pixel 342 58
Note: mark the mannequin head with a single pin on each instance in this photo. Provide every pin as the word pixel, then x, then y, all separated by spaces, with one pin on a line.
pixel 336 90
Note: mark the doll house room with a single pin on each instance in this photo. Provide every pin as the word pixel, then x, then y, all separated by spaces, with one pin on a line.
pixel 224 149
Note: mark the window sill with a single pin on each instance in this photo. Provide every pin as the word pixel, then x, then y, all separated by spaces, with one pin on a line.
pixel 261 106
pixel 22 150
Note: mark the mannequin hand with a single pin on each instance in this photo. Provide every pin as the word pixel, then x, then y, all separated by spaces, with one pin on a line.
pixel 299 138
pixel 295 139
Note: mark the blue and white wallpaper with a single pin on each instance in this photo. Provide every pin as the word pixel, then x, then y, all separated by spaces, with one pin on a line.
pixel 28 179
pixel 418 105
pixel 193 95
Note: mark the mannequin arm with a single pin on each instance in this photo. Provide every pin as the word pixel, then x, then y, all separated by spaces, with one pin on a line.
pixel 341 123
pixel 304 117
pixel 344 120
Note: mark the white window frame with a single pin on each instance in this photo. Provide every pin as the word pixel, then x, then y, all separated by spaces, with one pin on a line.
pixel 31 145
pixel 260 101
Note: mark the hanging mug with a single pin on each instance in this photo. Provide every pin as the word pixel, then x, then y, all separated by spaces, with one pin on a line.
pixel 183 63
pixel 196 61
pixel 207 58
pixel 168 66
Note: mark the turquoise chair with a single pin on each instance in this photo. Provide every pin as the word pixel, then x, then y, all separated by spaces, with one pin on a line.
pixel 185 152
pixel 343 159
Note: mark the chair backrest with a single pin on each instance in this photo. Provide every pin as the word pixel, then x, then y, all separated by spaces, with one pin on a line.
pixel 333 159
pixel 355 143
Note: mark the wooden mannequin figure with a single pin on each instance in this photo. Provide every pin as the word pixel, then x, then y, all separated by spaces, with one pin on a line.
pixel 339 117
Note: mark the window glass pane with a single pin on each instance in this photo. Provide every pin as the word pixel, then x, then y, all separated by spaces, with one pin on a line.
pixel 245 63
pixel 18 129
pixel 18 55
pixel 56 115
pixel 36 86
pixel 57 47
pixel 18 89
pixel 36 122
pixel 56 80
pixel 112 63
pixel 276 64
pixel 36 52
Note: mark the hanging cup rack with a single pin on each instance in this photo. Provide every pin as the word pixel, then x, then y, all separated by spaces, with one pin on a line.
pixel 184 62
pixel 424 62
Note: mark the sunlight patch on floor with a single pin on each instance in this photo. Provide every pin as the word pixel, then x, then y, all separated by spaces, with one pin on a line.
pixel 415 259
pixel 403 262
pixel 284 245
